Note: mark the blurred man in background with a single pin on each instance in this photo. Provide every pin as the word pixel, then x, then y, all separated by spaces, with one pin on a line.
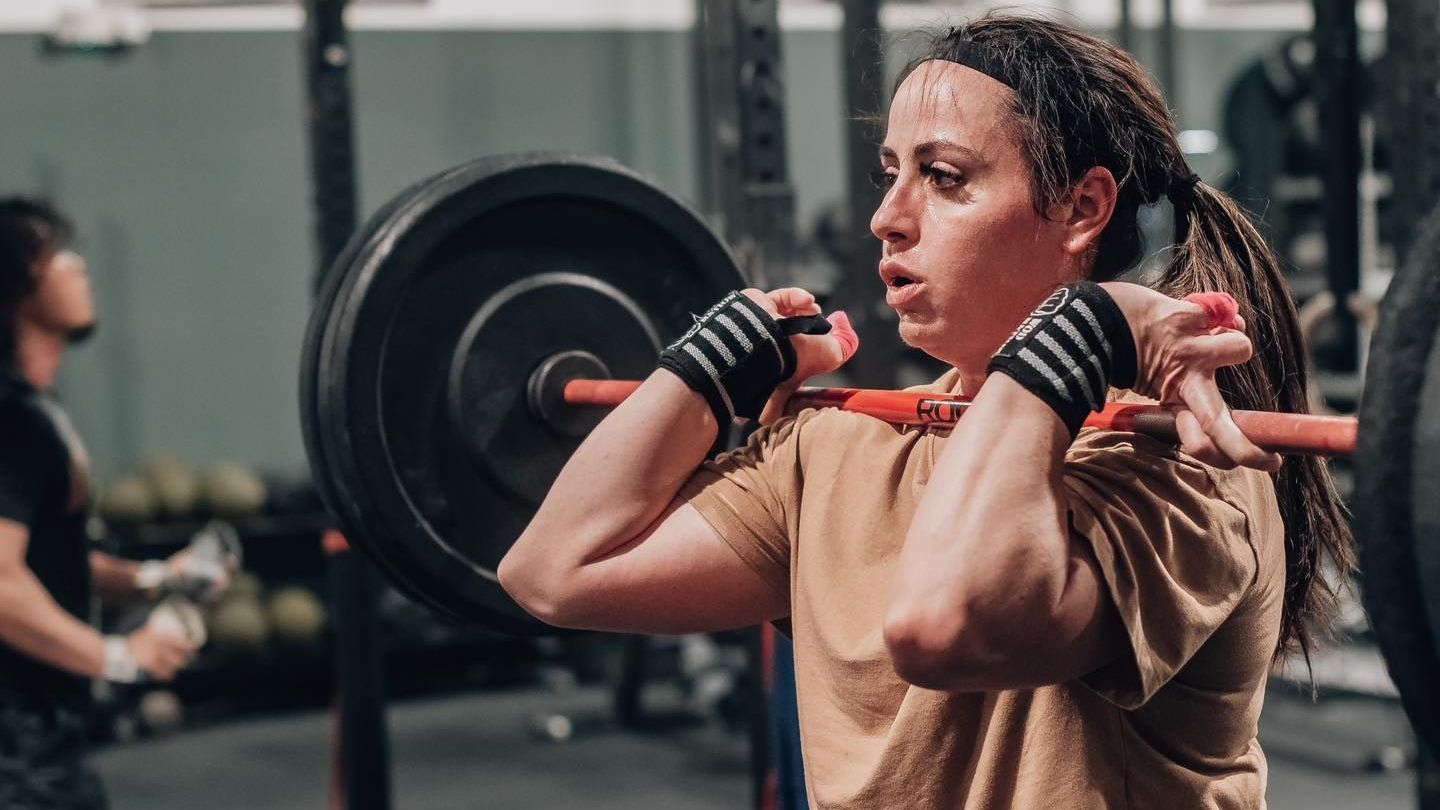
pixel 49 652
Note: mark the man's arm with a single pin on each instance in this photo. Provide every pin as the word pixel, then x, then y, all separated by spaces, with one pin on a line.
pixel 32 621
pixel 114 578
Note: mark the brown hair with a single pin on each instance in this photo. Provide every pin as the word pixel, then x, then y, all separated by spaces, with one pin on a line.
pixel 1080 102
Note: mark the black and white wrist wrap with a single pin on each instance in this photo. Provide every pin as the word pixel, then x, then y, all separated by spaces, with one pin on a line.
pixel 736 354
pixel 1070 351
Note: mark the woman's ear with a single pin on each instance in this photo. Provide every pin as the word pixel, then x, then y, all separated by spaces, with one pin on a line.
pixel 1092 202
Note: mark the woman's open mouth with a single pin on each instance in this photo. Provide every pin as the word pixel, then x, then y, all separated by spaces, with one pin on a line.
pixel 900 289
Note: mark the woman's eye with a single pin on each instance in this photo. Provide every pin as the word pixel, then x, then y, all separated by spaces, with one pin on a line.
pixel 942 178
pixel 883 178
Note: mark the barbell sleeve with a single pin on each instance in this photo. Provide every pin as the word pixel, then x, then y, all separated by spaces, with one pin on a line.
pixel 1275 432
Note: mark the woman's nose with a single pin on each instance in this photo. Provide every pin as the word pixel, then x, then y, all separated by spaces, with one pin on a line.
pixel 894 220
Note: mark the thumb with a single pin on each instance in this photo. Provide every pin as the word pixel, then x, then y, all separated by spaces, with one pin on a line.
pixel 844 334
pixel 1220 309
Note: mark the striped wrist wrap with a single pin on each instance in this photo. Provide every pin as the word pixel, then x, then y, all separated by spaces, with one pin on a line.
pixel 734 356
pixel 1070 350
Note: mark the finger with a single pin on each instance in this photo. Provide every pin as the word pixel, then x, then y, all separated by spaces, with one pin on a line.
pixel 791 301
pixel 822 354
pixel 1238 326
pixel 1212 351
pixel 1196 444
pixel 761 299
pixel 1203 399
pixel 1218 307
pixel 842 332
pixel 173 643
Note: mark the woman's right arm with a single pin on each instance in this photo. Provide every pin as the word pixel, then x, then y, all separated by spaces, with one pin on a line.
pixel 610 547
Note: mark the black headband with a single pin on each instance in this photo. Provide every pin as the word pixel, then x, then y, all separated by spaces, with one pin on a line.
pixel 985 59
pixel 978 57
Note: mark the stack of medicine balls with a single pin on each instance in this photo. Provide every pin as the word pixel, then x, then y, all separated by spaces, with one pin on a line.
pixel 249 619
pixel 164 487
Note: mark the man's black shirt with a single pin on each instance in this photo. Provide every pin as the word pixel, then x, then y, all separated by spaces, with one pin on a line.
pixel 43 486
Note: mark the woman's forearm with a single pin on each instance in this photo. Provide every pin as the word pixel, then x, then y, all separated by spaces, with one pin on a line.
pixel 987 551
pixel 616 484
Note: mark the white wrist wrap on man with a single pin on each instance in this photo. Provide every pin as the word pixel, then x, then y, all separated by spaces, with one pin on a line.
pixel 120 665
pixel 151 575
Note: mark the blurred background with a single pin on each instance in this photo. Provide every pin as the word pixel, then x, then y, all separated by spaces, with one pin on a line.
pixel 177 135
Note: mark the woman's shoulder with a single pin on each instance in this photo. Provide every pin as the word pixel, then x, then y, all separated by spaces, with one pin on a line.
pixel 1141 466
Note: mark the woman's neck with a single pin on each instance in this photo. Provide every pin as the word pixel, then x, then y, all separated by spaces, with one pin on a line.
pixel 970 380
pixel 969 370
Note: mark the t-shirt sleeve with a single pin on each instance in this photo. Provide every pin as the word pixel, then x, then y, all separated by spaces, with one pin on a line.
pixel 26 464
pixel 749 496
pixel 1176 554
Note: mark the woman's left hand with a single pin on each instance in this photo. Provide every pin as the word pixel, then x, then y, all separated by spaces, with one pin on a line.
pixel 1178 346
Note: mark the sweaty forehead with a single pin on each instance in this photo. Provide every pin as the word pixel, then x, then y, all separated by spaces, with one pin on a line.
pixel 944 101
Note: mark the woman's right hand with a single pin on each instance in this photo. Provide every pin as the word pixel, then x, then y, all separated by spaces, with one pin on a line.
pixel 814 354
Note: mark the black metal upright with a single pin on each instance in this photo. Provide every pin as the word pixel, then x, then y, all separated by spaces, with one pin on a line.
pixel 1167 54
pixel 746 179
pixel 1125 29
pixel 1337 87
pixel 858 292
pixel 361 776
pixel 1411 111
pixel 742 126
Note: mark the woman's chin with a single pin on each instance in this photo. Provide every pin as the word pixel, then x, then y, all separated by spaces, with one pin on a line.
pixel 949 347
pixel 919 334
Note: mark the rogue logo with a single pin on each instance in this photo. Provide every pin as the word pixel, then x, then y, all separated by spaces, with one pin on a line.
pixel 938 410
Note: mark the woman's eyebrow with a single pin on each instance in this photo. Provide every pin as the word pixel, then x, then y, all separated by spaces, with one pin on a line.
pixel 930 148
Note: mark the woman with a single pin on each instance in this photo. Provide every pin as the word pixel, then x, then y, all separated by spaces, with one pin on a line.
pixel 1010 615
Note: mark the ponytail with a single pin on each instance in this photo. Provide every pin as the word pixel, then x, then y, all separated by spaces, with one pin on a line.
pixel 1220 249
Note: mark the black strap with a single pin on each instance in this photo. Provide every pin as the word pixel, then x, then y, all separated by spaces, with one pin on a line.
pixel 804 325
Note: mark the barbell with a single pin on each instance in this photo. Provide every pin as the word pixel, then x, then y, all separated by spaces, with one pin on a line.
pixel 476 327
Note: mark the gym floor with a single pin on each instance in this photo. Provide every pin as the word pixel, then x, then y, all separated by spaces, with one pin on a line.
pixel 477 750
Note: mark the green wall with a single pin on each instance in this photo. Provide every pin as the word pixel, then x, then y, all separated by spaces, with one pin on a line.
pixel 184 165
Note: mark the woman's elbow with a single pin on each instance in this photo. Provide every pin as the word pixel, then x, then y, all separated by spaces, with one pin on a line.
pixel 537 591
pixel 945 649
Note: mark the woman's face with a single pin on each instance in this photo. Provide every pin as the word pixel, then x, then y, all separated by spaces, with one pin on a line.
pixel 965 255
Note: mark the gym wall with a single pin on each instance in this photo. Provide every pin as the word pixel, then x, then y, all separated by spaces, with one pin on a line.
pixel 184 164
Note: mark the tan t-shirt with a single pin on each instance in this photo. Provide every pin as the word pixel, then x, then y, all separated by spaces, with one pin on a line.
pixel 1193 558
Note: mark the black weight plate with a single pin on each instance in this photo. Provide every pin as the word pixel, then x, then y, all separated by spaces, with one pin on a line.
pixel 1425 485
pixel 329 287
pixel 418 409
pixel 1397 484
pixel 503 347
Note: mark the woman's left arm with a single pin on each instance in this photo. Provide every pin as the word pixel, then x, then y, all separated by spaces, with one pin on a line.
pixel 993 590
